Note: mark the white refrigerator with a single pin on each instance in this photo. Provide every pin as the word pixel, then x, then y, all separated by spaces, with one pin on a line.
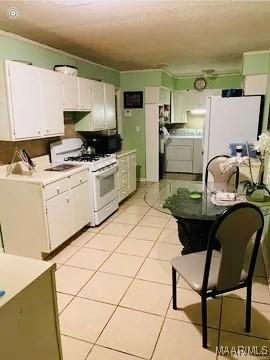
pixel 230 120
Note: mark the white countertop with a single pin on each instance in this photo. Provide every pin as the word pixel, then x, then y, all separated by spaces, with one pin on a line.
pixel 122 153
pixel 40 176
pixel 184 137
pixel 17 272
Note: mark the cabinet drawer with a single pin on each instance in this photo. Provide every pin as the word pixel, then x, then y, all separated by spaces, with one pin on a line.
pixel 123 171
pixel 56 188
pixel 123 162
pixel 79 178
pixel 183 142
pixel 179 166
pixel 123 181
pixel 179 153
pixel 123 193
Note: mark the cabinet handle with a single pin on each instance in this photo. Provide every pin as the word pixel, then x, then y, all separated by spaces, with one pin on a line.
pixel 67 199
pixel 81 180
pixel 38 132
pixel 58 190
pixel 48 130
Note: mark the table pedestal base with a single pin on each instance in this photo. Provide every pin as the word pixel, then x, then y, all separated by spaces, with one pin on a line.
pixel 194 234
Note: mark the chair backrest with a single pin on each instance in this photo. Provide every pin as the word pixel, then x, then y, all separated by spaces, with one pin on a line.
pixel 235 229
pixel 213 167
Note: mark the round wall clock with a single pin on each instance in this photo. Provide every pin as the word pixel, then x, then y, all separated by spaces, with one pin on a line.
pixel 200 83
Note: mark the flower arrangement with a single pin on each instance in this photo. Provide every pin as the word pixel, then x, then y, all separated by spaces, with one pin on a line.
pixel 256 190
pixel 262 147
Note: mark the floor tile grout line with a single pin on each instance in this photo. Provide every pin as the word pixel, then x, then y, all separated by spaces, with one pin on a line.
pixel 95 271
pixel 219 330
pixel 118 351
pixel 161 328
pixel 121 300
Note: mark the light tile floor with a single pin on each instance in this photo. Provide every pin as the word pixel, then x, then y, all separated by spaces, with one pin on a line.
pixel 114 295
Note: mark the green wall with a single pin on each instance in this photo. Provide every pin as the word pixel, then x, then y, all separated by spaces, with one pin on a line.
pixel 259 63
pixel 137 81
pixel 16 49
pixel 218 82
pixel 168 80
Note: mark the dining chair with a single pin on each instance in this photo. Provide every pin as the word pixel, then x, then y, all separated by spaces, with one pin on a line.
pixel 211 273
pixel 222 179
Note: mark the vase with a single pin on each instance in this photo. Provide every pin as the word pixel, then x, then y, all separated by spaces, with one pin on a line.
pixel 257 194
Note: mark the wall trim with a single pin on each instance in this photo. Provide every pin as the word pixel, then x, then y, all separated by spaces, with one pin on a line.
pixel 143 70
pixel 256 52
pixel 36 43
pixel 147 70
pixel 178 77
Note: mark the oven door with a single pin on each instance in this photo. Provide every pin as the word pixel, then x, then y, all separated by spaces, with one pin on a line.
pixel 104 186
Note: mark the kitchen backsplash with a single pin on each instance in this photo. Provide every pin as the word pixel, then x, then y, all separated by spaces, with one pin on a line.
pixel 193 122
pixel 36 147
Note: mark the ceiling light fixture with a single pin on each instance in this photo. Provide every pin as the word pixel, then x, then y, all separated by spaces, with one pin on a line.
pixel 198 112
pixel 76 2
pixel 208 72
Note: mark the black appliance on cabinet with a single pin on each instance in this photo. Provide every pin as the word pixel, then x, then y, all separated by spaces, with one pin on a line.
pixel 105 144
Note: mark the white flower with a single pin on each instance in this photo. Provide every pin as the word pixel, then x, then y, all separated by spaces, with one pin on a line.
pixel 263 145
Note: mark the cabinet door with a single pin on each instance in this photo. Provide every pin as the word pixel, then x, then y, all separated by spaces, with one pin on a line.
pixel 131 173
pixel 25 101
pixel 179 108
pixel 60 220
pixel 98 112
pixel 85 94
pixel 255 84
pixel 197 156
pixel 81 206
pixel 71 93
pixel 52 102
pixel 110 106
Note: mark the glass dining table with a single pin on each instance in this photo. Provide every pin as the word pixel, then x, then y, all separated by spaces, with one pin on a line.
pixel 189 202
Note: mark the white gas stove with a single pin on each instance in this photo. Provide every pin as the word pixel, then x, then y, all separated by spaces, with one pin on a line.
pixel 102 172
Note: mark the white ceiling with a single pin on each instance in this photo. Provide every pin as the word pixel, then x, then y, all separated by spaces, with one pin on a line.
pixel 183 37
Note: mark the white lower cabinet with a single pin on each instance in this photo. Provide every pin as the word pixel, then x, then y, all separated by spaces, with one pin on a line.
pixel 126 174
pixel 60 219
pixel 184 155
pixel 132 173
pixel 197 166
pixel 36 219
pixel 81 206
pixel 28 310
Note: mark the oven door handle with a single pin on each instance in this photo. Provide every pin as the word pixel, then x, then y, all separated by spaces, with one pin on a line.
pixel 107 172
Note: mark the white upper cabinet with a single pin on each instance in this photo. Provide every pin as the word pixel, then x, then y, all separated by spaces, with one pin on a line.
pixel 52 103
pixel 255 84
pixel 24 102
pixel 110 106
pixel 102 115
pixel 85 94
pixel 98 113
pixel 31 102
pixel 71 93
pixel 179 108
